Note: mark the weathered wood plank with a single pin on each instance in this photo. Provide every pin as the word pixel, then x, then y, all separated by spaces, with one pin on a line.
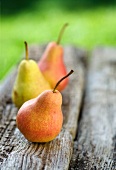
pixel 15 151
pixel 95 145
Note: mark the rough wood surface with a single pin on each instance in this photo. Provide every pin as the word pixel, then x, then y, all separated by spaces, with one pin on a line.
pixel 95 145
pixel 15 151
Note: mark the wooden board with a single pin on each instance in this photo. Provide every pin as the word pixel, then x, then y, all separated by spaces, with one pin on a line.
pixel 95 145
pixel 15 151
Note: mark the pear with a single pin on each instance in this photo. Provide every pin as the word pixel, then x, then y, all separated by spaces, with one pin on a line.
pixel 40 119
pixel 51 63
pixel 29 81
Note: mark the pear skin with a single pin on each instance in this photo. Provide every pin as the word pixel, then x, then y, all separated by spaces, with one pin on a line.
pixel 52 64
pixel 40 119
pixel 29 82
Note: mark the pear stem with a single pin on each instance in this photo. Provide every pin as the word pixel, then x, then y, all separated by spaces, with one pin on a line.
pixel 61 33
pixel 62 80
pixel 26 50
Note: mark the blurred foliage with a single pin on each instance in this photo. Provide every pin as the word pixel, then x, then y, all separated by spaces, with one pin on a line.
pixel 91 23
pixel 13 6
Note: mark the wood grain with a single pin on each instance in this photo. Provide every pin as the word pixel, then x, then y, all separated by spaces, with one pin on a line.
pixel 15 151
pixel 95 145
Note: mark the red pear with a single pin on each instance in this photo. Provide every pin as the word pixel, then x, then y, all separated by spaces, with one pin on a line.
pixel 52 64
pixel 40 119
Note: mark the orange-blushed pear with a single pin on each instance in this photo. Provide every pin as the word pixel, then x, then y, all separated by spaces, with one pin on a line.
pixel 40 119
pixel 52 64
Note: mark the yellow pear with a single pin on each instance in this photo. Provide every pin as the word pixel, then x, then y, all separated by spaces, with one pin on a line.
pixel 29 81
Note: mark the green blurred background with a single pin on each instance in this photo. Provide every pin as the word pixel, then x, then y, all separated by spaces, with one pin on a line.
pixel 92 23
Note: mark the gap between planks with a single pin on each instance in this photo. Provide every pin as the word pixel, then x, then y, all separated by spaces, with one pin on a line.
pixel 95 145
